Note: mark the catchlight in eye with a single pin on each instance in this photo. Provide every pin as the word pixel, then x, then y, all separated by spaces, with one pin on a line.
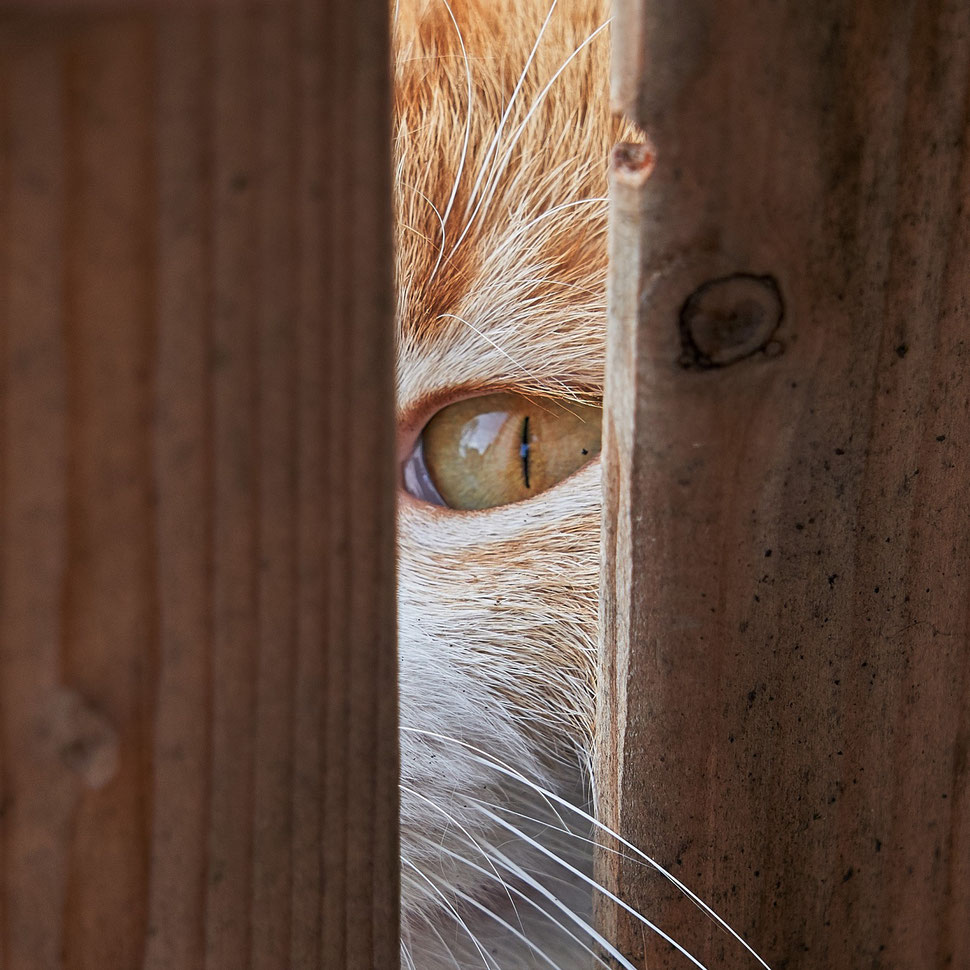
pixel 500 448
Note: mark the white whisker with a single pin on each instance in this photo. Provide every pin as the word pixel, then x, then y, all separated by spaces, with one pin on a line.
pixel 493 145
pixel 519 935
pixel 515 830
pixel 449 908
pixel 408 959
pixel 548 213
pixel 521 872
pixel 563 830
pixel 486 759
pixel 461 828
pixel 533 903
pixel 540 97
pixel 518 871
pixel 468 128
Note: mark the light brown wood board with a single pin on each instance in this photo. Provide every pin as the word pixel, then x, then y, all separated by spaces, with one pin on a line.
pixel 198 759
pixel 785 708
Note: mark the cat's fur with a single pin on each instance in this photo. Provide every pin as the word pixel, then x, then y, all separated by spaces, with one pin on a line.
pixel 502 133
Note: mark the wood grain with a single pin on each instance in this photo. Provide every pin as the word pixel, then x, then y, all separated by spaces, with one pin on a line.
pixel 198 759
pixel 786 697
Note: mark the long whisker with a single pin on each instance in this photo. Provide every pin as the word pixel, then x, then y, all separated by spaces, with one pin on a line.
pixel 488 760
pixel 540 97
pixel 565 910
pixel 528 899
pixel 461 828
pixel 521 937
pixel 501 125
pixel 408 959
pixel 468 128
pixel 515 830
pixel 555 210
pixel 562 829
pixel 450 909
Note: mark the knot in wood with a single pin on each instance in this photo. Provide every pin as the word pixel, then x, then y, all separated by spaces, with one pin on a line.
pixel 632 162
pixel 730 318
pixel 86 740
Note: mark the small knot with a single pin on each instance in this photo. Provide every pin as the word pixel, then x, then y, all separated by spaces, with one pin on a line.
pixel 632 162
pixel 730 318
pixel 86 740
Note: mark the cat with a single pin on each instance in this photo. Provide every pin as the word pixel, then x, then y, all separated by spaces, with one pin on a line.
pixel 502 134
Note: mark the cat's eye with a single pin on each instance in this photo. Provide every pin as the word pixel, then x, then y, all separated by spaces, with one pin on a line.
pixel 500 448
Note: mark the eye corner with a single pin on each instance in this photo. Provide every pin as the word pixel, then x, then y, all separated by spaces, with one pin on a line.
pixel 416 480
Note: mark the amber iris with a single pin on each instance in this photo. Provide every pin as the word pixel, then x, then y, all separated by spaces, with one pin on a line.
pixel 501 448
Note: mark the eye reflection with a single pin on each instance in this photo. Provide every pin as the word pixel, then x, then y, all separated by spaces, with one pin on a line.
pixel 480 432
pixel 500 448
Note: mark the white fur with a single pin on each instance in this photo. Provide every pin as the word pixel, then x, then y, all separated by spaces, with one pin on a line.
pixel 502 132
pixel 501 279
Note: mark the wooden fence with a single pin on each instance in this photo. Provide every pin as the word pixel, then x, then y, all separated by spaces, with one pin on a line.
pixel 197 745
pixel 197 714
pixel 785 708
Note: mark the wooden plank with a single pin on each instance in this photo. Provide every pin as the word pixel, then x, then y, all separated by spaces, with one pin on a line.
pixel 786 701
pixel 198 760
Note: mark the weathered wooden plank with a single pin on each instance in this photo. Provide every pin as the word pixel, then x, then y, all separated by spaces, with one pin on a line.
pixel 197 705
pixel 786 535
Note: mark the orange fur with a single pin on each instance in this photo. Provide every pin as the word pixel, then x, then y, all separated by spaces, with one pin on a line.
pixel 554 268
pixel 501 270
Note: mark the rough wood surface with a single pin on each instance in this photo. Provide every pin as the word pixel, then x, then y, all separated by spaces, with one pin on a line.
pixel 785 711
pixel 197 714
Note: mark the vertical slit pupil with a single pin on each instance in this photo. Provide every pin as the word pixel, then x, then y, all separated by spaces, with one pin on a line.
pixel 524 450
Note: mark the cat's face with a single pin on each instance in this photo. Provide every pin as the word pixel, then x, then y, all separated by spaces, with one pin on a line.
pixel 502 132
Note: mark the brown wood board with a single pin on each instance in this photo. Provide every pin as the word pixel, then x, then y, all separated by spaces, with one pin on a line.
pixel 198 759
pixel 785 707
